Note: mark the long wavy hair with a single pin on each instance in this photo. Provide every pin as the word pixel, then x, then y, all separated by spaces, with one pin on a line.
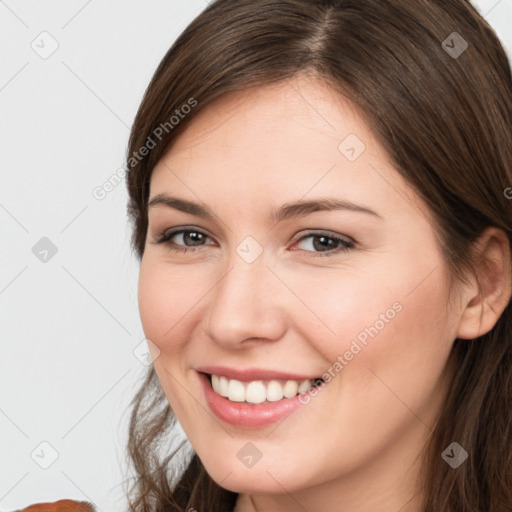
pixel 442 111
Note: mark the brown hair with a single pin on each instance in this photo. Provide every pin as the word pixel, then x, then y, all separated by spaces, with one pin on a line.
pixel 446 122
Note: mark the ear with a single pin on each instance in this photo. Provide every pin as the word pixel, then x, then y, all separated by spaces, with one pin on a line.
pixel 488 293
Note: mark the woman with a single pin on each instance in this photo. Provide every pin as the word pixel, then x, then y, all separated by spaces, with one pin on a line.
pixel 403 108
pixel 318 191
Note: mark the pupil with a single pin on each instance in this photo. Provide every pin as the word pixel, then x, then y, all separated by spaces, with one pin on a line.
pixel 194 235
pixel 327 245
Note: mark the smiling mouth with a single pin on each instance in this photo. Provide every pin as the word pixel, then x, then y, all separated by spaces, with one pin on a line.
pixel 260 391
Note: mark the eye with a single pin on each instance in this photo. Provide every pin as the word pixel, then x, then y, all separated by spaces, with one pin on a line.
pixel 325 243
pixel 184 239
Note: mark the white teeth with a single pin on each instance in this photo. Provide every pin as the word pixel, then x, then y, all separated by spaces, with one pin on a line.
pixel 223 386
pixel 290 388
pixel 256 392
pixel 304 386
pixel 274 391
pixel 236 391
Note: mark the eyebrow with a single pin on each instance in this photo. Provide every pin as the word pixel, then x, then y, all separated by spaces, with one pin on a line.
pixel 286 211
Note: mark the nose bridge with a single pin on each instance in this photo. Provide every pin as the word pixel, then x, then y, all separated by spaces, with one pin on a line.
pixel 243 303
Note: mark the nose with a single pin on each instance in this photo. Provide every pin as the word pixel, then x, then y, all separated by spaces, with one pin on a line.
pixel 246 305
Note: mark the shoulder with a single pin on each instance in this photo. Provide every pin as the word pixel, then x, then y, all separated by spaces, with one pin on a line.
pixel 60 506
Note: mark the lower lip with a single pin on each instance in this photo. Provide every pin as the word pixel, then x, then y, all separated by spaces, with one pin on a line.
pixel 244 414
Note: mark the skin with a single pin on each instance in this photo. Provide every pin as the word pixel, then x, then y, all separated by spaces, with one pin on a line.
pixel 356 446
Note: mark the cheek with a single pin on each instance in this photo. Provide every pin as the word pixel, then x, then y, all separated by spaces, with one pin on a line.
pixel 387 322
pixel 399 374
pixel 164 299
pixel 393 301
pixel 339 306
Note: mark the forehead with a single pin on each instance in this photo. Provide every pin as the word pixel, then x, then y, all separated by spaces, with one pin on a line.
pixel 281 142
pixel 305 102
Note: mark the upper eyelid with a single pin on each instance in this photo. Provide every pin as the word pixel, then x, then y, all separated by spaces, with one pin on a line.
pixel 177 231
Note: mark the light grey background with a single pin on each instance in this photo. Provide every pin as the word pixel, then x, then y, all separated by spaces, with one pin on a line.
pixel 70 324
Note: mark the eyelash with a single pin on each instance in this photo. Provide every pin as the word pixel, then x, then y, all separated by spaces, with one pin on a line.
pixel 346 245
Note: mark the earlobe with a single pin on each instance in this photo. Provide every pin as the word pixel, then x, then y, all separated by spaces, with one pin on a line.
pixel 489 291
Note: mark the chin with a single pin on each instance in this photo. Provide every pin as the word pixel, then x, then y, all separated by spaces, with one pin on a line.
pixel 268 478
pixel 250 483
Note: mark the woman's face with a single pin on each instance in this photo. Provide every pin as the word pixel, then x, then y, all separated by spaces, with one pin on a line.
pixel 358 293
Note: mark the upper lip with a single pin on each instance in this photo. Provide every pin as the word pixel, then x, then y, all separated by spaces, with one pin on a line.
pixel 250 374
